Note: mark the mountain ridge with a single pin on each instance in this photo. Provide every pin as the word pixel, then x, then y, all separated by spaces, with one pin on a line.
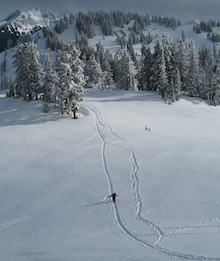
pixel 19 23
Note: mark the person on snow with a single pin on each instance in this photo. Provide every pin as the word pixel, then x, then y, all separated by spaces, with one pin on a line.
pixel 113 196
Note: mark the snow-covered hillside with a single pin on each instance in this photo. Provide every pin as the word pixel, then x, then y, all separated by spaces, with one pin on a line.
pixel 28 21
pixel 108 42
pixel 56 174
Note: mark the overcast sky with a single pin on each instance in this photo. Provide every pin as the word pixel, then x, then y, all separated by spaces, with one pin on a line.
pixel 183 9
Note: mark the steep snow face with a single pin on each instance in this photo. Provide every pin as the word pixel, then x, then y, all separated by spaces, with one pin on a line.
pixel 11 17
pixel 20 23
pixel 23 22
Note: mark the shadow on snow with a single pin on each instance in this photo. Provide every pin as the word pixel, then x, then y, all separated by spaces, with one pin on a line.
pixel 18 112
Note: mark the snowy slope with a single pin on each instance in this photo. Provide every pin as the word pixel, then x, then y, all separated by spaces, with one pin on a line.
pixel 156 30
pixel 24 22
pixel 38 18
pixel 56 174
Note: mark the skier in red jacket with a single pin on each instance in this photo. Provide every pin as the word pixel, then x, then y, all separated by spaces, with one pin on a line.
pixel 113 196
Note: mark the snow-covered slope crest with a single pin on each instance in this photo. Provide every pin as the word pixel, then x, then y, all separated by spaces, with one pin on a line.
pixel 11 17
pixel 28 21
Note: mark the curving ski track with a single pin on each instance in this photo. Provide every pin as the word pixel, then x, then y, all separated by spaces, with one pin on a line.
pixel 102 129
pixel 12 223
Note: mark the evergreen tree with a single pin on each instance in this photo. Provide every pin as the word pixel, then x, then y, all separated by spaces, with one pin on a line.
pixel 182 60
pixel 177 85
pixel 173 89
pixel 52 41
pixel 100 54
pixel 169 56
pixel 209 71
pixel 170 93
pixel 107 68
pixel 28 72
pixel 156 66
pixel 126 72
pixel 61 25
pixel 195 79
pixel 84 24
pixel 70 72
pixel 121 40
pixel 213 92
pixel 106 22
pixel 130 49
pixel 95 74
pixel 48 80
pixel 183 36
pixel 145 73
pixel 82 44
pixel 162 82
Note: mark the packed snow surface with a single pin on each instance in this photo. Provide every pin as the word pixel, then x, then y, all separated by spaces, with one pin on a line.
pixel 56 174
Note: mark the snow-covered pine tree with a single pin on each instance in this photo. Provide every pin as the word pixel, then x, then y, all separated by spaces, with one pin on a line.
pixel 95 74
pixel 145 73
pixel 52 40
pixel 28 72
pixel 100 53
pixel 106 22
pixel 182 60
pixel 169 55
pixel 19 62
pixel 70 72
pixel 177 84
pixel 121 40
pixel 209 67
pixel 105 59
pixel 61 25
pixel 107 68
pixel 84 23
pixel 213 93
pixel 130 49
pixel 183 37
pixel 82 44
pixel 173 89
pixel 195 78
pixel 156 66
pixel 119 17
pixel 162 82
pixel 170 93
pixel 48 78
pixel 126 72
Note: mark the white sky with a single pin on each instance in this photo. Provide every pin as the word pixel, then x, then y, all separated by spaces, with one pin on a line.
pixel 183 9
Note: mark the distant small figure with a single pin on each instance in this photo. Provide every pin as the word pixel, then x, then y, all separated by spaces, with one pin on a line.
pixel 148 129
pixel 113 196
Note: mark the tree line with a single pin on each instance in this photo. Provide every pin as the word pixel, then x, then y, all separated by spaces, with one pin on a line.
pixel 171 68
pixel 208 26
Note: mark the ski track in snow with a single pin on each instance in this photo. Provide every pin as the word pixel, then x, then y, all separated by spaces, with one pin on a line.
pixel 176 230
pixel 103 130
pixel 13 222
